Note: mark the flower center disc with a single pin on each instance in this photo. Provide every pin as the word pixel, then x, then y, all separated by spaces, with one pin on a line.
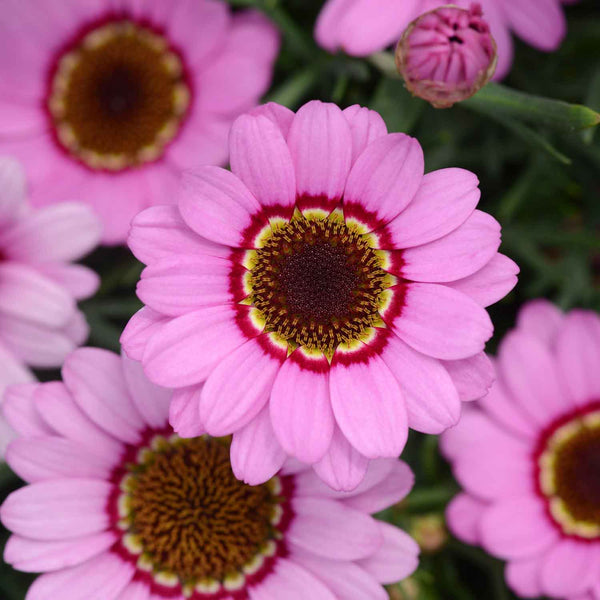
pixel 193 523
pixel 570 475
pixel 318 283
pixel 118 96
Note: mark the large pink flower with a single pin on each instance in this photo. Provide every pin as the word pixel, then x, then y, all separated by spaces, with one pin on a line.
pixel 39 320
pixel 107 100
pixel 120 508
pixel 528 457
pixel 323 296
pixel 361 27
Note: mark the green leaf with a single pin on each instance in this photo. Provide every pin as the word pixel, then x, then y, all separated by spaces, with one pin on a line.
pixel 395 104
pixel 559 115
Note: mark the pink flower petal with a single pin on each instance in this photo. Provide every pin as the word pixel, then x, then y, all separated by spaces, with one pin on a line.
pixel 542 23
pixel 278 114
pixel 35 344
pixel 59 412
pixel 463 515
pixel 62 232
pixel 517 528
pixel 185 350
pixel 368 405
pixel 19 410
pixel 541 319
pixel 159 232
pixel 473 377
pixel 181 285
pixel 578 352
pixel 396 558
pixel 138 590
pixel 570 568
pixel 35 556
pixel 26 294
pixel 342 467
pixel 345 579
pixel 104 576
pixel 290 581
pixel 249 51
pixel 528 371
pixel 491 283
pixel 321 147
pixel 78 280
pixel 458 254
pixel 41 459
pixel 443 202
pixel 256 455
pixel 237 389
pixel 141 327
pixel 261 159
pixel 430 396
pixel 12 189
pixel 151 401
pixel 59 509
pixel 441 322
pixel 95 379
pixel 386 176
pixel 184 412
pixel 502 408
pixel 329 529
pixel 217 205
pixel 386 492
pixel 301 412
pixel 365 126
pixel 524 576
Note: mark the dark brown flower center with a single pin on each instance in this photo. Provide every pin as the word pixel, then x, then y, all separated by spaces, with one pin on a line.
pixel 191 521
pixel 118 96
pixel 570 475
pixel 318 283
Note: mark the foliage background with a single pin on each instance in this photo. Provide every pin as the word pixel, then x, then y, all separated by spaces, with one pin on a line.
pixel 542 184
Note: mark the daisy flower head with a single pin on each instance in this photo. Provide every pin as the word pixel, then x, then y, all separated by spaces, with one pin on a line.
pixel 39 287
pixel 322 297
pixel 115 97
pixel 118 507
pixel 527 457
pixel 361 27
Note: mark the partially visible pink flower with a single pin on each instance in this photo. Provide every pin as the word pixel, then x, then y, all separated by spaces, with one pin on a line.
pixel 322 297
pixel 447 55
pixel 120 508
pixel 39 288
pixel 528 457
pixel 361 27
pixel 107 101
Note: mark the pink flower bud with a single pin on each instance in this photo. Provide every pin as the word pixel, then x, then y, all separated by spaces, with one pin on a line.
pixel 447 54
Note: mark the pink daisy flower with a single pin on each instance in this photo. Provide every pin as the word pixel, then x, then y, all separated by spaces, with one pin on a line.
pixel 361 27
pixel 115 97
pixel 527 457
pixel 322 297
pixel 39 320
pixel 120 508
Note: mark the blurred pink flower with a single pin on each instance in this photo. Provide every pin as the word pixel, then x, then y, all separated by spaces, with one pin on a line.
pixel 105 101
pixel 528 457
pixel 361 27
pixel 39 320
pixel 325 295
pixel 120 508
pixel 447 55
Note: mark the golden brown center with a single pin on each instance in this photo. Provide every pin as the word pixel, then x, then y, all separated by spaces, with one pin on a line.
pixel 118 96
pixel 318 283
pixel 570 475
pixel 190 518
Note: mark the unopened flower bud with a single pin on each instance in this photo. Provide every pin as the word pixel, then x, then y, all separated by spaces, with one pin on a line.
pixel 429 531
pixel 447 55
